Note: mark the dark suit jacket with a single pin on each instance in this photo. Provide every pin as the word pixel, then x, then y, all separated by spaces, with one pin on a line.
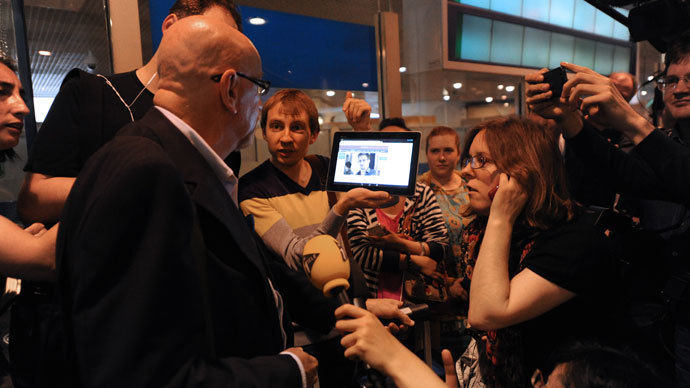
pixel 141 309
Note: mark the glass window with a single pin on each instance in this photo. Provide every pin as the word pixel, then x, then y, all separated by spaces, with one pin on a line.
pixel 510 7
pixel 583 19
pixel 536 53
pixel 603 24
pixel 536 10
pixel 475 42
pixel 619 30
pixel 562 13
pixel 506 43
pixel 584 52
pixel 621 59
pixel 562 48
pixel 603 58
pixel 476 3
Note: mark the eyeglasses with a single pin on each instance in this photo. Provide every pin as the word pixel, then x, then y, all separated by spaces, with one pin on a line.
pixel 476 161
pixel 264 86
pixel 671 82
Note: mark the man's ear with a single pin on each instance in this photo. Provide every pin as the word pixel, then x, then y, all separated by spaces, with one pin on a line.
pixel 169 21
pixel 313 137
pixel 228 85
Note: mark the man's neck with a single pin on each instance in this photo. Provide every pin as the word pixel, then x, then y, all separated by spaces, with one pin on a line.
pixel 300 172
pixel 146 72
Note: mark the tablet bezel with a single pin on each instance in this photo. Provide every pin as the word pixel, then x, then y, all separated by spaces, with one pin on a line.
pixel 397 190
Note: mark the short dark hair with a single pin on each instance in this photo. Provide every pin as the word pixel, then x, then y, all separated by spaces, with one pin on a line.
pixel 7 61
pixel 184 8
pixel 589 364
pixel 10 153
pixel 393 122
pixel 364 154
pixel 678 49
pixel 294 99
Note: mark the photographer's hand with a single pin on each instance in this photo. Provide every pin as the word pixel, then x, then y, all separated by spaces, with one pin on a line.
pixel 600 101
pixel 540 101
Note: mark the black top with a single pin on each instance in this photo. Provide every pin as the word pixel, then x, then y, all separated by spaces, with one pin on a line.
pixel 85 115
pixel 573 256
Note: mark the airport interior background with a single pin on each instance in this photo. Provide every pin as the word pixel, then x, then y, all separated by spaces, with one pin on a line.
pixel 433 62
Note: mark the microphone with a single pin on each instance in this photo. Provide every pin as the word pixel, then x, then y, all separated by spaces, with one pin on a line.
pixel 326 267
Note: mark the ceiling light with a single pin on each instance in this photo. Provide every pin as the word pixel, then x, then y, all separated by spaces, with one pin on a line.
pixel 257 21
pixel 510 88
pixel 651 77
pixel 330 93
pixel 457 85
pixel 403 69
pixel 365 84
pixel 446 98
pixel 500 87
pixel 320 120
pixel 45 53
pixel 506 104
pixel 445 92
pixel 644 92
pixel 489 99
pixel 504 97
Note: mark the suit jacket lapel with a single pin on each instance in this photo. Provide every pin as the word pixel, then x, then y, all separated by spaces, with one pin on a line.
pixel 204 187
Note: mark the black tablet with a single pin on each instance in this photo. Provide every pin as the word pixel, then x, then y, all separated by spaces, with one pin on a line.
pixel 376 160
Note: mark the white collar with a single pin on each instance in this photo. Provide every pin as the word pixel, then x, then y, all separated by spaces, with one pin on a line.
pixel 223 172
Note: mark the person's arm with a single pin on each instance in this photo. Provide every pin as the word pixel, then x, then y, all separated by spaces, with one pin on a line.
pixel 131 290
pixel 496 300
pixel 42 197
pixel 27 254
pixel 56 153
pixel 598 98
pixel 357 112
pixel 369 341
pixel 432 226
pixel 279 236
pixel 626 174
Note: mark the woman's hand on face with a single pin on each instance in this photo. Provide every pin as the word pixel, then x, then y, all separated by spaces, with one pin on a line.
pixel 509 201
pixel 427 266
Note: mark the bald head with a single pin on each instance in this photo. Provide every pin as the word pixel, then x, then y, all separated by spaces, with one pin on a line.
pixel 625 83
pixel 198 47
pixel 200 60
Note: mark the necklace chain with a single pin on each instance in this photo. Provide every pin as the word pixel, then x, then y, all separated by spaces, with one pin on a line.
pixel 128 106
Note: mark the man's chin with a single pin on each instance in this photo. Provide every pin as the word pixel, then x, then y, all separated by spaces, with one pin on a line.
pixel 246 141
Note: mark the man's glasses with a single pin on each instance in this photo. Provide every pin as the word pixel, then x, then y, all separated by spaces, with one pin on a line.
pixel 671 82
pixel 263 85
pixel 476 161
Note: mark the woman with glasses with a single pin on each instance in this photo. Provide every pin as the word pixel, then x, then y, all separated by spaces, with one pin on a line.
pixel 539 268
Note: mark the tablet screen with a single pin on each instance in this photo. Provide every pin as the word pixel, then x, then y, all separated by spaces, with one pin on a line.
pixel 376 160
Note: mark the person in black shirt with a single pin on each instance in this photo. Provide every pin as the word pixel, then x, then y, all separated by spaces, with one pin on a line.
pixel 87 112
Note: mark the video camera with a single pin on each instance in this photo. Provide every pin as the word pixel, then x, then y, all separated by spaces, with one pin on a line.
pixel 657 21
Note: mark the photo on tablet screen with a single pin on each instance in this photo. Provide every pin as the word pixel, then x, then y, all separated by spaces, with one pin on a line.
pixel 376 160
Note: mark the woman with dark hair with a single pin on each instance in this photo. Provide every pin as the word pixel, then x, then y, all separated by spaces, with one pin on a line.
pixel 26 253
pixel 539 268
